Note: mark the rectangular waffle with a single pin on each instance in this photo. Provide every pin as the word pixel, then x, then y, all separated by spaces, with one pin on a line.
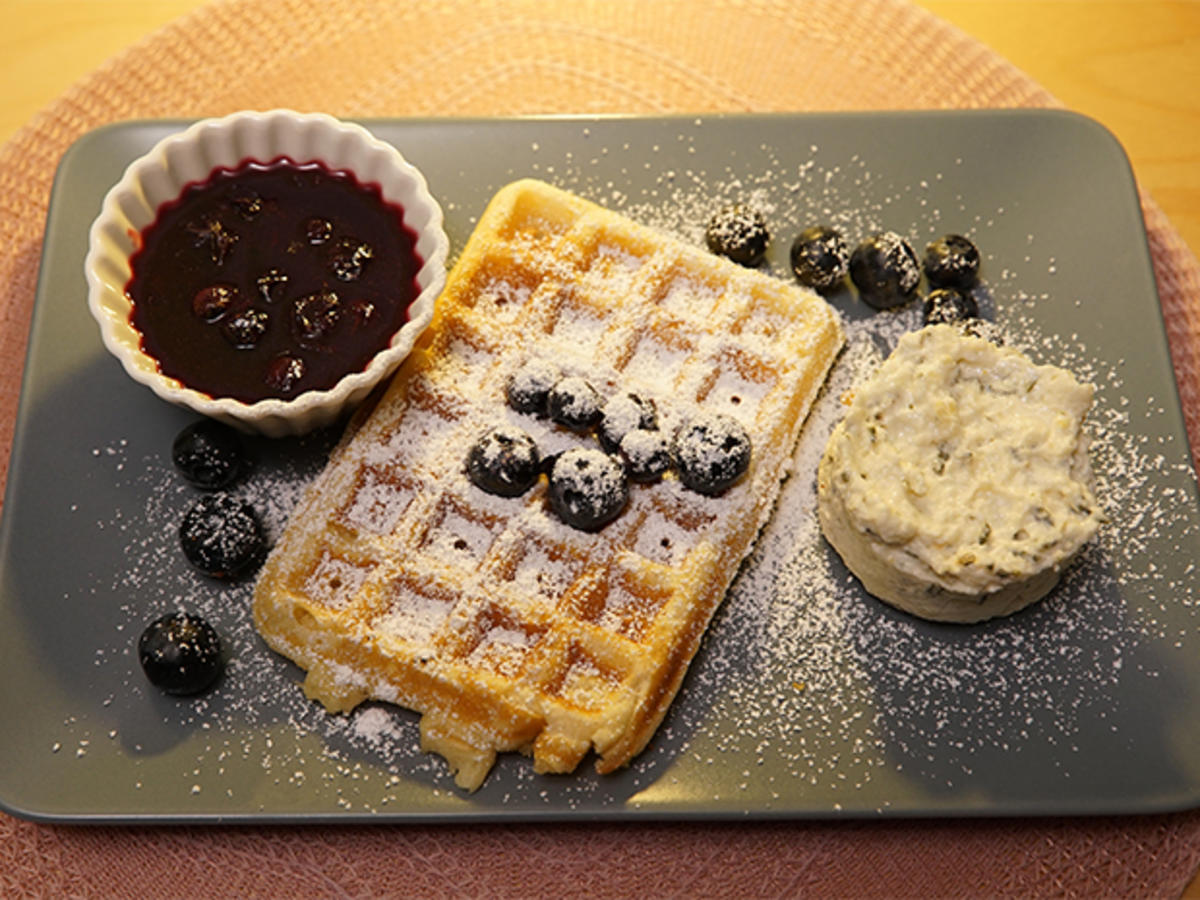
pixel 397 579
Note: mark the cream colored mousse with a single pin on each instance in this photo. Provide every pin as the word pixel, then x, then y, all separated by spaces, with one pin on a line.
pixel 958 486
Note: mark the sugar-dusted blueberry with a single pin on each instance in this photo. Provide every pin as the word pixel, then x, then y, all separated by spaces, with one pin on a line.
pixel 504 461
pixel 246 328
pixel 180 653
pixel 946 306
pixel 574 403
pixel 588 488
pixel 711 452
pixel 315 315
pixel 221 536
pixel 284 373
pixel 209 454
pixel 819 257
pixel 885 270
pixel 952 261
pixel 738 232
pixel 528 388
pixel 647 455
pixel 212 302
pixel 624 412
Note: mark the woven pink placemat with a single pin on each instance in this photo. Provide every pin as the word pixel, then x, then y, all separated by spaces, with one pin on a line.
pixel 359 58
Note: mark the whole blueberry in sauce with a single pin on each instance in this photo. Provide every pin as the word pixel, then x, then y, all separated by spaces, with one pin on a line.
pixel 255 265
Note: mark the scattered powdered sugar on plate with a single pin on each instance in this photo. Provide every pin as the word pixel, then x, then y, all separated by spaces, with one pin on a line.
pixel 801 675
pixel 854 685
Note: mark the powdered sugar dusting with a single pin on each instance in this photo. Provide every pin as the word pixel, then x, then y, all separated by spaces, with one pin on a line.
pixel 417 620
pixel 334 581
pixel 805 687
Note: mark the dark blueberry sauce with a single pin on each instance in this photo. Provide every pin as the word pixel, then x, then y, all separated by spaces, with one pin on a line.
pixel 272 279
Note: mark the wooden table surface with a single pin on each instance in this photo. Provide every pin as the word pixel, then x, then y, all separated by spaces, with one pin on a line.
pixel 1134 65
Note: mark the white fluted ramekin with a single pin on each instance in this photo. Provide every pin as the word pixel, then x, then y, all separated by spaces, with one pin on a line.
pixel 191 156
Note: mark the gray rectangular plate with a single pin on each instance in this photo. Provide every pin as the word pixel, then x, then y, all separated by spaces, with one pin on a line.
pixel 808 698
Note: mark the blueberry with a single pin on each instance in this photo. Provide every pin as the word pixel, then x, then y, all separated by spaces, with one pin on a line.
pixel 528 388
pixel 284 373
pixel 350 258
pixel 945 306
pixel 647 455
pixel 271 284
pixel 362 312
pixel 221 536
pixel 623 413
pixel 819 257
pixel 315 315
pixel 180 653
pixel 212 302
pixel 246 329
pixel 885 270
pixel 739 233
pixel 588 488
pixel 711 453
pixel 504 461
pixel 212 236
pixel 248 204
pixel 952 261
pixel 317 230
pixel 209 454
pixel 574 403
pixel 546 466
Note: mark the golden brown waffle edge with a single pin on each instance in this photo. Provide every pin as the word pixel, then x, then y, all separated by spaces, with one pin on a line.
pixel 397 579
